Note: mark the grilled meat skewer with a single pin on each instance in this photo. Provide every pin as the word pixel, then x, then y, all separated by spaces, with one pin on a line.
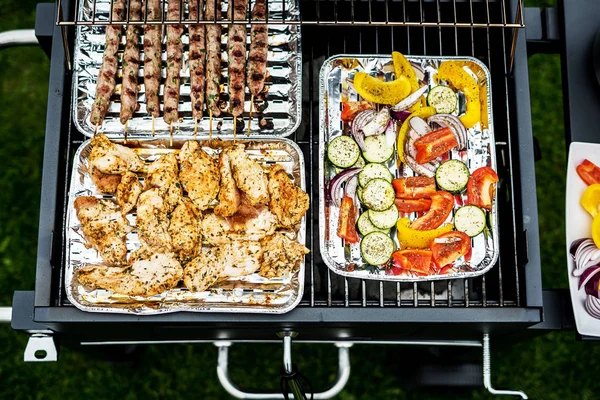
pixel 131 63
pixel 236 45
pixel 152 58
pixel 257 56
pixel 105 85
pixel 197 57
pixel 174 60
pixel 213 58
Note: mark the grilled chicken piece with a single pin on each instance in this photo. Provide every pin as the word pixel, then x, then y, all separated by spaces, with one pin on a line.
pixel 281 255
pixel 128 191
pixel 152 221
pixel 203 271
pixel 111 158
pixel 229 195
pixel 240 258
pixel 185 230
pixel 288 201
pixel 199 174
pixel 105 183
pixel 104 227
pixel 218 230
pixel 249 176
pixel 163 173
pixel 143 278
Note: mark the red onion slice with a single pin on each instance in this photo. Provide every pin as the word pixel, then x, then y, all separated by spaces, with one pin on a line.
pixel 456 126
pixel 419 125
pixel 390 134
pixel 592 306
pixel 361 119
pixel 351 188
pixel 400 116
pixel 411 99
pixel 334 193
pixel 587 275
pixel 377 124
pixel 575 245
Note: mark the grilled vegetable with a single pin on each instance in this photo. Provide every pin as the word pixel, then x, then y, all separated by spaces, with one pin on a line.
pixel 425 112
pixel 434 144
pixel 351 108
pixel 343 151
pixel 590 200
pixel 413 260
pixel 365 226
pixel 414 187
pixel 377 91
pixel 448 247
pixel 452 176
pixel 373 171
pixel 441 206
pixel 402 67
pixel 377 149
pixel 412 205
pixel 378 195
pixel 377 248
pixel 347 221
pixel 416 239
pixel 384 219
pixel 334 191
pixel 588 172
pixel 459 78
pixel 470 220
pixel 443 99
pixel 481 188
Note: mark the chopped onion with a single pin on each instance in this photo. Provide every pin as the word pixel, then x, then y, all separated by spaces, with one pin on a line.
pixel 419 125
pixel 588 274
pixel 361 119
pixel 456 126
pixel 411 99
pixel 400 116
pixel 335 185
pixel 592 306
pixel 377 124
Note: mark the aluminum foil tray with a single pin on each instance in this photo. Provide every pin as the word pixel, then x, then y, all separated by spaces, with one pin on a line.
pixel 334 88
pixel 284 67
pixel 248 294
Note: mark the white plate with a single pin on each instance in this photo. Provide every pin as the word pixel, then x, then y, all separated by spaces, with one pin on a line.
pixel 578 223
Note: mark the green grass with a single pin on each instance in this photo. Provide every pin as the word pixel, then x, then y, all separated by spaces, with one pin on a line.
pixel 554 366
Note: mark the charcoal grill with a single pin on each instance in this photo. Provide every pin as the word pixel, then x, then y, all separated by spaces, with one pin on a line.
pixel 508 300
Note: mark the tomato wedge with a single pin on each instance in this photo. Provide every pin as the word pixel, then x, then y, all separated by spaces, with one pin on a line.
pixel 413 260
pixel 481 188
pixel 588 172
pixel 413 205
pixel 414 187
pixel 434 144
pixel 351 108
pixel 442 203
pixel 448 247
pixel 347 221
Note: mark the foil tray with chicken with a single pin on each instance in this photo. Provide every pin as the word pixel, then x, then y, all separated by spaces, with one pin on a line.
pixel 200 226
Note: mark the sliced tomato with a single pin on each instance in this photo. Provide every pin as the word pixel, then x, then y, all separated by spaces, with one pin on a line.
pixel 347 221
pixel 588 172
pixel 413 260
pixel 448 247
pixel 414 187
pixel 442 203
pixel 351 108
pixel 481 188
pixel 434 144
pixel 413 205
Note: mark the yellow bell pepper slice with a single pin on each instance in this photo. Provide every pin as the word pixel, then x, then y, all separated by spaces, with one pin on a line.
pixel 415 239
pixel 459 78
pixel 377 91
pixel 402 67
pixel 424 112
pixel 590 200
pixel 596 230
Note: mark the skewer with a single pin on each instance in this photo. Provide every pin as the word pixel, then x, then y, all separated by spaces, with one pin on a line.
pixel 171 134
pixel 250 115
pixel 126 127
pixel 195 128
pixel 96 129
pixel 209 124
pixel 153 125
pixel 234 128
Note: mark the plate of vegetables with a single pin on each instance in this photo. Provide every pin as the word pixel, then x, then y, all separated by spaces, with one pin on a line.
pixel 407 167
pixel 583 235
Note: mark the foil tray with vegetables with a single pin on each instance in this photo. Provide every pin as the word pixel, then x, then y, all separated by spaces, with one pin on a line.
pixel 407 167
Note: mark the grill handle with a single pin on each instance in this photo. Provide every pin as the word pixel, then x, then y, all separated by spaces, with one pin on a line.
pixel 235 391
pixel 18 37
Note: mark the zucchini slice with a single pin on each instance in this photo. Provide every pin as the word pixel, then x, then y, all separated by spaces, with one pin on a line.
pixel 377 150
pixel 378 195
pixel 358 164
pixel 470 220
pixel 373 171
pixel 384 219
pixel 343 152
pixel 365 226
pixel 452 176
pixel 377 248
pixel 443 99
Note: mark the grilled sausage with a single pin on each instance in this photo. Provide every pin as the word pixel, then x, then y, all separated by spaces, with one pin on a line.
pixel 152 58
pixel 213 57
pixel 174 59
pixel 131 63
pixel 257 57
pixel 105 85
pixel 236 45
pixel 197 57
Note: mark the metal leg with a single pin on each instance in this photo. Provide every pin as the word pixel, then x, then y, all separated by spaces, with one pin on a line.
pixel 487 373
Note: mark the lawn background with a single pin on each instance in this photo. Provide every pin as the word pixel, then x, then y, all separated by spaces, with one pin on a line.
pixel 554 366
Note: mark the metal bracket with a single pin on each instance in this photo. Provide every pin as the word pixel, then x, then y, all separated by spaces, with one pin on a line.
pixel 40 348
pixel 235 391
pixel 487 373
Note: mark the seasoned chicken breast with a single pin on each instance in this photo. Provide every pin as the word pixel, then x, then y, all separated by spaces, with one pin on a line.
pixel 249 176
pixel 288 202
pixel 143 278
pixel 218 230
pixel 185 230
pixel 203 271
pixel 199 174
pixel 104 227
pixel 240 258
pixel 229 195
pixel 164 174
pixel 105 183
pixel 128 191
pixel 111 158
pixel 281 255
pixel 152 221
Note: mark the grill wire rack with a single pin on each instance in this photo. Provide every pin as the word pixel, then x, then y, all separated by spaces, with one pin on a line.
pixel 478 28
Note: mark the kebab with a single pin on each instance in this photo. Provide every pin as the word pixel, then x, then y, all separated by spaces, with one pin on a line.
pixel 236 45
pixel 257 56
pixel 174 59
pixel 152 59
pixel 105 86
pixel 197 59
pixel 213 61
pixel 131 65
